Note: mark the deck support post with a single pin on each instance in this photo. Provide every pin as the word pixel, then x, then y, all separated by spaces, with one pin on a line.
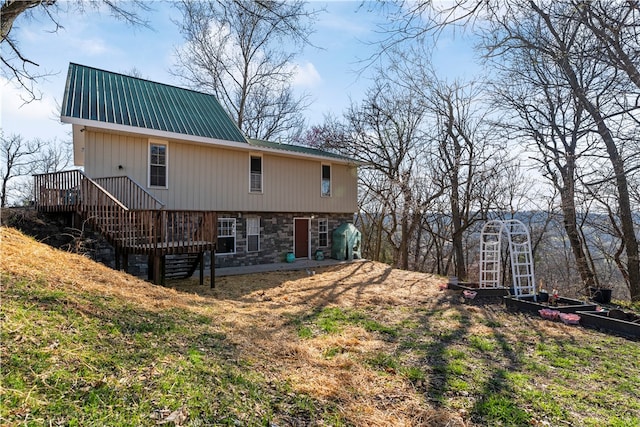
pixel 160 270
pixel 117 259
pixel 201 262
pixel 156 269
pixel 150 268
pixel 122 260
pixel 213 267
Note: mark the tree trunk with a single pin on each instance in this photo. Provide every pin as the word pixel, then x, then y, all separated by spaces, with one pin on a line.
pixel 624 202
pixel 10 10
pixel 571 227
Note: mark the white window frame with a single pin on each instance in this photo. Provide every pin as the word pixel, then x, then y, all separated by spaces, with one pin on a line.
pixel 253 229
pixel 322 192
pixel 165 144
pixel 324 221
pixel 251 157
pixel 233 234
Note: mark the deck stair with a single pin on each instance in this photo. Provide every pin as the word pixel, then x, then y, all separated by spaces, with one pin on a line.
pixel 133 221
pixel 181 266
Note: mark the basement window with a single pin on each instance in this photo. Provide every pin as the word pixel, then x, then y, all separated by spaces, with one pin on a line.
pixel 226 236
pixel 323 232
pixel 253 234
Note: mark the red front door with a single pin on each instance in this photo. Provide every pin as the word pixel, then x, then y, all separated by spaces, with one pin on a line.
pixel 301 231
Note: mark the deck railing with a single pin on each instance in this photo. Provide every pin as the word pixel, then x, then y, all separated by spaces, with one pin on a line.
pixel 142 231
pixel 58 191
pixel 130 193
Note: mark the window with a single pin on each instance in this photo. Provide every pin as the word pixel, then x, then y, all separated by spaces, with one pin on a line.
pixel 255 176
pixel 157 165
pixel 226 236
pixel 253 234
pixel 323 233
pixel 326 180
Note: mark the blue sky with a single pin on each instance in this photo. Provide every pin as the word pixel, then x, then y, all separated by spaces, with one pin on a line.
pixel 329 74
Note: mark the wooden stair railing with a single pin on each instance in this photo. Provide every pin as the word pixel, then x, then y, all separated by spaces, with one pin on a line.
pixel 154 232
pixel 129 193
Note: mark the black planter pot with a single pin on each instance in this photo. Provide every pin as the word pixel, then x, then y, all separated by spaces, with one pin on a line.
pixel 543 297
pixel 603 296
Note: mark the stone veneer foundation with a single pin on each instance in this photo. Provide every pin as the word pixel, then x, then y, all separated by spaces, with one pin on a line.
pixel 276 239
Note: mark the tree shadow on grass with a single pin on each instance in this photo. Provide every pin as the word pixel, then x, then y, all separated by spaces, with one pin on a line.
pixel 472 363
pixel 317 290
pixel 97 360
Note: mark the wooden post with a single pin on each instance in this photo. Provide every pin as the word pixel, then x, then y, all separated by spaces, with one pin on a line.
pixel 117 259
pixel 160 270
pixel 213 267
pixel 125 262
pixel 150 268
pixel 201 261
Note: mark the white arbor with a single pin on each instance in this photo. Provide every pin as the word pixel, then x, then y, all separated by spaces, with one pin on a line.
pixel 520 256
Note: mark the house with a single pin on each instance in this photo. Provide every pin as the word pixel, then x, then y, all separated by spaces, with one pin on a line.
pixel 155 147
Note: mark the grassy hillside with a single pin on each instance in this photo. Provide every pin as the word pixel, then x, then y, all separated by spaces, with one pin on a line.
pixel 359 344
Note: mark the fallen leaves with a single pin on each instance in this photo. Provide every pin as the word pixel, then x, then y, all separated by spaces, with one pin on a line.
pixel 166 416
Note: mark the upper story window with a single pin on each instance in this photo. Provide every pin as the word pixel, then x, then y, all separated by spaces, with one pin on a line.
pixel 255 174
pixel 326 181
pixel 157 165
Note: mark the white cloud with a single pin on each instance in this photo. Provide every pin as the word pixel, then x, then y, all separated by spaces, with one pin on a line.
pixel 91 47
pixel 347 19
pixel 306 75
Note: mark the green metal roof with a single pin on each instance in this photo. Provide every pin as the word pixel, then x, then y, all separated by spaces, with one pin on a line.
pixel 297 149
pixel 112 98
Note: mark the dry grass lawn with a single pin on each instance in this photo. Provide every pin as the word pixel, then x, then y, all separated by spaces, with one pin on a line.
pixel 385 347
pixel 259 310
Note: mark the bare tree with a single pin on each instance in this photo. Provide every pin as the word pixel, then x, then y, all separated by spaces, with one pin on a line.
pixel 616 26
pixel 385 133
pixel 544 111
pixel 554 32
pixel 243 52
pixel 470 164
pixel 17 160
pixel 564 33
pixel 19 66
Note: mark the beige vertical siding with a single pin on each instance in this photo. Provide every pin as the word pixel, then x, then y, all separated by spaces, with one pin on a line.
pixel 202 177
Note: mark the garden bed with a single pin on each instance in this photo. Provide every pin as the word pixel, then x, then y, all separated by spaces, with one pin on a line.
pixel 529 304
pixel 480 292
pixel 615 321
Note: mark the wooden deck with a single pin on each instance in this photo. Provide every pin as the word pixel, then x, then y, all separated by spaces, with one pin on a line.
pixel 130 218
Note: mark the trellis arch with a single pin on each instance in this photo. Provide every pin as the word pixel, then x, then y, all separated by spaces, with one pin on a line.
pixel 523 279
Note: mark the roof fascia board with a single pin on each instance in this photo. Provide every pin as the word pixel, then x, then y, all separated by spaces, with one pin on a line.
pixel 245 146
pixel 151 132
pixel 285 153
